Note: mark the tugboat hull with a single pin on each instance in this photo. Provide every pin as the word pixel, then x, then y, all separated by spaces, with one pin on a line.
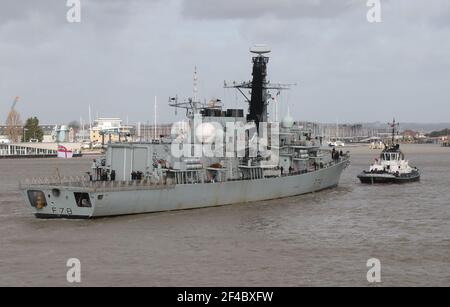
pixel 376 178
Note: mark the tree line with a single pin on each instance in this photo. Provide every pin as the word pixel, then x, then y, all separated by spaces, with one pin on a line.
pixel 30 131
pixel 436 134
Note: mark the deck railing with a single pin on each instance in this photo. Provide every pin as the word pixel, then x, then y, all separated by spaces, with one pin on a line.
pixel 84 182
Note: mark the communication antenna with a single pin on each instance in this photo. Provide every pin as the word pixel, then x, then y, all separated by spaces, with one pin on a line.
pixel 191 104
pixel 195 88
pixel 156 102
pixel 90 119
pixel 82 128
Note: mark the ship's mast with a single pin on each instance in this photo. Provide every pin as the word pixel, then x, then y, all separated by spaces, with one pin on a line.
pixel 155 119
pixel 259 98
pixel 192 105
pixel 259 86
pixel 195 86
pixel 394 125
pixel 259 89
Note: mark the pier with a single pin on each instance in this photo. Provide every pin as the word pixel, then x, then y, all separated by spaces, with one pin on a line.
pixel 10 151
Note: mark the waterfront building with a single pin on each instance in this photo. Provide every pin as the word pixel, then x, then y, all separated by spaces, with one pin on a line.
pixel 109 130
pixel 147 132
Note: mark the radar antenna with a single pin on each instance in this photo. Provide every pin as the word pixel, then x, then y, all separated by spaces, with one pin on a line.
pixel 259 88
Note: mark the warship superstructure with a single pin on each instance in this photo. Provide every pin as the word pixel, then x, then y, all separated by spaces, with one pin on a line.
pixel 215 157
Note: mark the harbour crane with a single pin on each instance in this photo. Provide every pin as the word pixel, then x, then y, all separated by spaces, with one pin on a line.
pixel 13 122
pixel 16 100
pixel 12 111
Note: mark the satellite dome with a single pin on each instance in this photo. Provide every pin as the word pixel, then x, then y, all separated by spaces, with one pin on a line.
pixel 206 133
pixel 180 129
pixel 287 122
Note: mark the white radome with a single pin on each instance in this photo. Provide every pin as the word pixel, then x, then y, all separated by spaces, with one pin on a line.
pixel 288 122
pixel 180 129
pixel 206 133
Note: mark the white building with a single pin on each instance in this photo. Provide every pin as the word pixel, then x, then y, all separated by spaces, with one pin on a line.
pixel 109 130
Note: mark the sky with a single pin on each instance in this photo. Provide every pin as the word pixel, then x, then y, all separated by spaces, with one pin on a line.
pixel 124 53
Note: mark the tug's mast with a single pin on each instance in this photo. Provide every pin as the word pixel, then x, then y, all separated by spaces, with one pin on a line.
pixel 394 125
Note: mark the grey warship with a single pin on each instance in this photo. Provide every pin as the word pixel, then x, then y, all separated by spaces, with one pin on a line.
pixel 215 157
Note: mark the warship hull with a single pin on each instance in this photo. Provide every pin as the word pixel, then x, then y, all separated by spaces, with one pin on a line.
pixel 106 201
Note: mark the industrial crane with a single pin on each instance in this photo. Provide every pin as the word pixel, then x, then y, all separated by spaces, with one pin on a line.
pixel 13 122
pixel 12 111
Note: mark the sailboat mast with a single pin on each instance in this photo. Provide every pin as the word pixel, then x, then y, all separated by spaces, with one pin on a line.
pixel 156 102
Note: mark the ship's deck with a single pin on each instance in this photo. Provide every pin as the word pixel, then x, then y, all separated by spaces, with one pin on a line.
pixel 86 185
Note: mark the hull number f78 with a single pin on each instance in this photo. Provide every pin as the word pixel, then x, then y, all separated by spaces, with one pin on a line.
pixel 62 211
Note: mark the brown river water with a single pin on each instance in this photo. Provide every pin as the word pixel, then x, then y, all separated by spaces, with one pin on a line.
pixel 321 239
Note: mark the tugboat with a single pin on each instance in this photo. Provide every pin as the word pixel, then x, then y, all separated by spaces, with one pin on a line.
pixel 391 167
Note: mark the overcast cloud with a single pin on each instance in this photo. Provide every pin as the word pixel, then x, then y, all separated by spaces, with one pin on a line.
pixel 283 9
pixel 123 53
